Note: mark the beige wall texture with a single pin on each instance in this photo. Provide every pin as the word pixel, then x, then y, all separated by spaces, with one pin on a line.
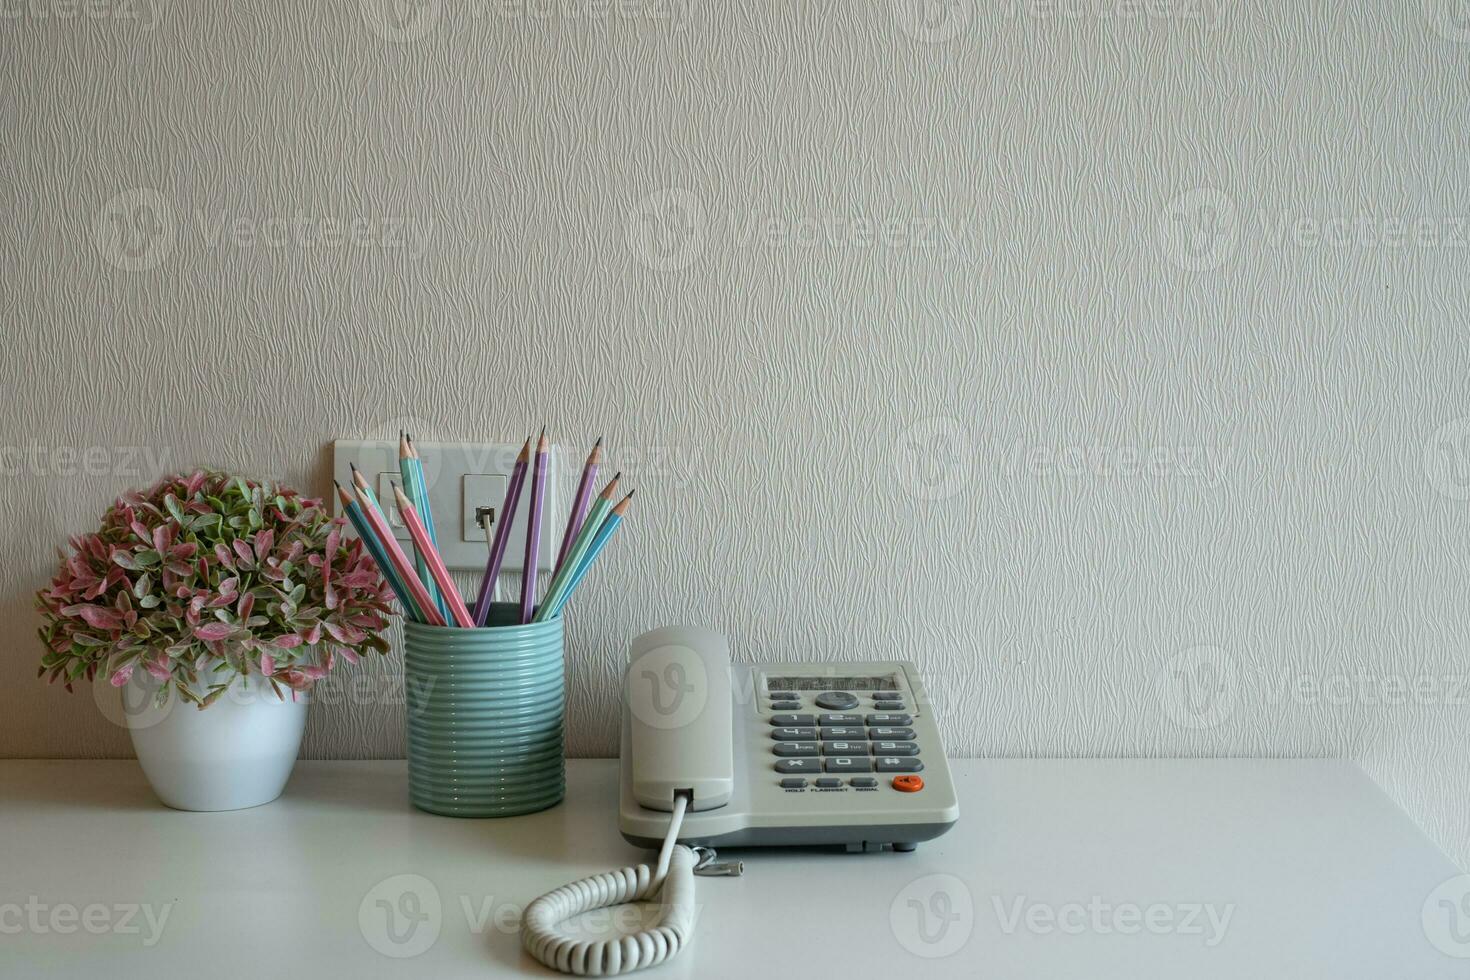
pixel 1108 359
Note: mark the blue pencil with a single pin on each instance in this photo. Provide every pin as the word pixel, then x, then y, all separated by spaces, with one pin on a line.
pixel 370 542
pixel 604 532
pixel 411 468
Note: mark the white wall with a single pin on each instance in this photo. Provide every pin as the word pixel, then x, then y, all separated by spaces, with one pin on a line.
pixel 1109 359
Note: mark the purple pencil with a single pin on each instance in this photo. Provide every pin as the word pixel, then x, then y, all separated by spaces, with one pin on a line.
pixel 507 518
pixel 579 504
pixel 533 529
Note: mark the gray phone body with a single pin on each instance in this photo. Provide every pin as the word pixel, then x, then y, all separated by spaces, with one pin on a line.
pixel 760 811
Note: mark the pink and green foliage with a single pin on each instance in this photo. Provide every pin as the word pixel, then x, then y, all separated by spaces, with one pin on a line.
pixel 209 570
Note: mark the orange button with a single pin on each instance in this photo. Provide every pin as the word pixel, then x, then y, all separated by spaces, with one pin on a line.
pixel 908 784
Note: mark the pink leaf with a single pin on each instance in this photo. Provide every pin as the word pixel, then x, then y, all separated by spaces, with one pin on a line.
pixel 211 632
pixel 264 541
pixel 243 550
pixel 156 669
pixel 121 677
pixel 99 616
pixel 267 664
pixel 287 641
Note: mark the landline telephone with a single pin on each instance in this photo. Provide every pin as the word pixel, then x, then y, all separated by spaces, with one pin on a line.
pixel 715 753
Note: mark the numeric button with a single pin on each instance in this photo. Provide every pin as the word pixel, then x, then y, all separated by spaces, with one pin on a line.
pixel 792 721
pixel 844 748
pixel 891 734
pixel 834 719
pixel 848 763
pixel 887 718
pixel 895 748
pixel 792 750
pixel 794 734
pixel 846 731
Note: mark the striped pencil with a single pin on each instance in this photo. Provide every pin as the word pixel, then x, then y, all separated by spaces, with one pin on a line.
pixel 502 535
pixel 370 541
pixel 603 534
pixel 579 504
pixel 594 520
pixel 411 468
pixel 396 557
pixel 420 535
pixel 533 529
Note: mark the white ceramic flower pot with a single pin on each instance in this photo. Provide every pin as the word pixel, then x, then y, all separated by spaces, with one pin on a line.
pixel 236 753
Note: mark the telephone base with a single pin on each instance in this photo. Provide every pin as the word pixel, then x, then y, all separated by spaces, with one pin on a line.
pixel 854 839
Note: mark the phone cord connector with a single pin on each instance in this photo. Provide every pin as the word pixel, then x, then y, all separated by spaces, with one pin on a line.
pixel 672 880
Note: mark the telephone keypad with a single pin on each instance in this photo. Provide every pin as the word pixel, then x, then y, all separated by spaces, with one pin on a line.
pixel 791 750
pixel 841 741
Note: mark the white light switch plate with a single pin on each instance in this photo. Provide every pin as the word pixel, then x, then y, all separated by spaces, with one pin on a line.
pixel 460 477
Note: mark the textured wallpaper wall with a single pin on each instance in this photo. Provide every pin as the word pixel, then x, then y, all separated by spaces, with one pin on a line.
pixel 1109 359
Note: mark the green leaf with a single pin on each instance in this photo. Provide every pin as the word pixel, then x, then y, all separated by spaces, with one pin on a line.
pixel 175 511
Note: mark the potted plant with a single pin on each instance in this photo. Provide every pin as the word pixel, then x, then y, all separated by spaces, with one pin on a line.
pixel 228 595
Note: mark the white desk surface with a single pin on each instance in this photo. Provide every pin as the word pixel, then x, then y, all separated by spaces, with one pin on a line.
pixel 1056 869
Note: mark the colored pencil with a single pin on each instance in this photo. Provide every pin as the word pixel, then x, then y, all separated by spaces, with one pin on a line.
pixel 502 535
pixel 533 529
pixel 370 541
pixel 399 560
pixel 411 468
pixel 486 520
pixel 579 504
pixel 594 520
pixel 603 534
pixel 420 535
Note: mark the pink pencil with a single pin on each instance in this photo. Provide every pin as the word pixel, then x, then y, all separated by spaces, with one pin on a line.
pixel 430 554
pixel 400 561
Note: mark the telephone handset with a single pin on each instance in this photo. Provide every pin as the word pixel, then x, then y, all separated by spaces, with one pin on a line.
pixel 715 752
pixel 677 701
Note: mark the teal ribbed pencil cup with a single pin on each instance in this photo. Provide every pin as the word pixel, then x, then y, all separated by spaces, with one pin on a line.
pixel 485 711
